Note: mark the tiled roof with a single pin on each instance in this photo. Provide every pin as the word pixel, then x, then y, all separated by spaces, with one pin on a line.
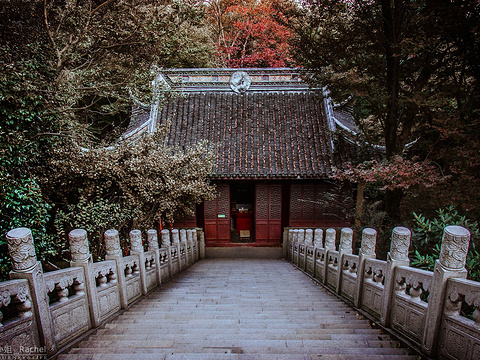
pixel 262 134
pixel 267 123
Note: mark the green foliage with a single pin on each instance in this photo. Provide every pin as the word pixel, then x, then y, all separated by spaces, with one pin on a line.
pixel 95 214
pixel 129 185
pixel 427 239
pixel 68 68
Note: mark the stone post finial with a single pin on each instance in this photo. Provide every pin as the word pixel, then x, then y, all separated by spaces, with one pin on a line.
pixel 136 240
pixel 301 235
pixel 21 249
pixel 318 240
pixel 183 236
pixel 79 248
pixel 112 243
pixel 451 264
pixel 152 239
pixel 369 241
pixel 175 236
pixel 309 237
pixel 166 238
pixel 400 243
pixel 455 242
pixel 291 234
pixel 330 235
pixel 346 241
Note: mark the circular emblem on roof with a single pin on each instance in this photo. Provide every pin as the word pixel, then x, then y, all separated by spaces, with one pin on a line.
pixel 240 82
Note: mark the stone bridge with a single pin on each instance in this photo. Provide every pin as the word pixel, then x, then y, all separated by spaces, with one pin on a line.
pixel 322 303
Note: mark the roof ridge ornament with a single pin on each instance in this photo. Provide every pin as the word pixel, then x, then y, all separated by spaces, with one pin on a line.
pixel 240 82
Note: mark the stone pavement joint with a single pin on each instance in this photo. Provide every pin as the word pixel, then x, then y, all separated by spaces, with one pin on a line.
pixel 240 309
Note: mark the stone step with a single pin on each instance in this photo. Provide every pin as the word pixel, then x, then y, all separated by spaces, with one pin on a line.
pixel 224 353
pixel 248 346
pixel 245 334
pixel 242 310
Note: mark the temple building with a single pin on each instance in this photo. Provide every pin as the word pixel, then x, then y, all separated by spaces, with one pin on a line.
pixel 279 142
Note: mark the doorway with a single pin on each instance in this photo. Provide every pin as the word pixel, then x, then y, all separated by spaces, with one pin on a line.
pixel 242 200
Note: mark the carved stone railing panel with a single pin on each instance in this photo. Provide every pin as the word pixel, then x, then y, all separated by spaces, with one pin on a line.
pixel 105 273
pixel 295 253
pixel 310 259
pixel 183 253
pixel 133 284
pixel 150 269
pixel 319 263
pixel 69 304
pixel 108 296
pixel 372 292
pixel 409 308
pixel 164 264
pixel 333 258
pixel 460 334
pixel 349 276
pixel 19 328
pixel 302 256
pixel 174 260
pixel 62 284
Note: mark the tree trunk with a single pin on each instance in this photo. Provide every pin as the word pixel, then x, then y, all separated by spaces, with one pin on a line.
pixel 393 199
pixel 359 203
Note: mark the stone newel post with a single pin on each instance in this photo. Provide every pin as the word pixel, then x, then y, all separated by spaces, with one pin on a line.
pixel 25 266
pixel 152 240
pixel 190 238
pixel 330 235
pixel 451 264
pixel 81 257
pixel 367 251
pixel 398 256
pixel 182 257
pixel 195 243
pixel 202 245
pixel 113 251
pixel 136 248
pixel 345 247
pixel 167 243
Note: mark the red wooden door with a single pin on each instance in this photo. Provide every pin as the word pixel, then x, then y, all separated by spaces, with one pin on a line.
pixel 268 213
pixel 217 216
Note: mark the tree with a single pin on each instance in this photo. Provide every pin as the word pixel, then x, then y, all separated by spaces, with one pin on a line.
pixel 396 58
pixel 67 71
pixel 249 34
pixel 130 185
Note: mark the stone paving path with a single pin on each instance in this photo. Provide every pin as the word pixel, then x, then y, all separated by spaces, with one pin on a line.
pixel 239 309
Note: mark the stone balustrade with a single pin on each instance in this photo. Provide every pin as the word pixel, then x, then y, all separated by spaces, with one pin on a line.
pixel 422 307
pixel 42 312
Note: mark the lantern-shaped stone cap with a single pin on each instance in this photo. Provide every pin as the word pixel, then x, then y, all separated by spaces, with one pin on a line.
pixel 369 241
pixel 346 240
pixel 455 243
pixel 330 235
pixel 21 249
pixel 136 240
pixel 152 239
pixel 112 243
pixel 400 243
pixel 79 248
